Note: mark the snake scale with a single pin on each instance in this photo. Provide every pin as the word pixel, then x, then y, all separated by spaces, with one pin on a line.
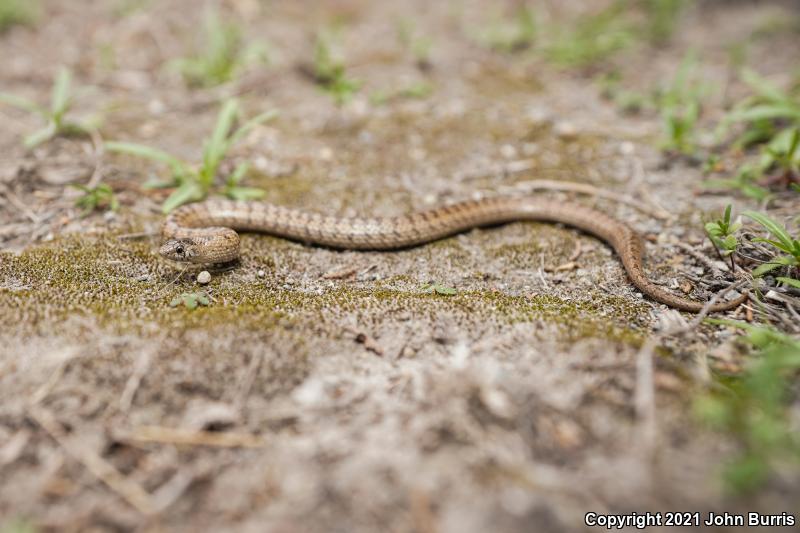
pixel 205 232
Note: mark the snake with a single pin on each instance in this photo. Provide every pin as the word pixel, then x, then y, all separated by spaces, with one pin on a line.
pixel 205 232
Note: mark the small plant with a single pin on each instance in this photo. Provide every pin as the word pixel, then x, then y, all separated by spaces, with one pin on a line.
pixel 96 197
pixel 755 407
pixel 764 112
pixel 679 106
pixel 55 116
pixel 330 72
pixel 744 182
pixel 418 90
pixel 191 300
pixel 192 183
pixel 723 234
pixel 783 152
pixel 771 118
pixel 224 56
pixel 512 35
pixel 17 12
pixel 662 17
pixel 435 287
pixel 610 84
pixel 418 46
pixel 594 38
pixel 784 242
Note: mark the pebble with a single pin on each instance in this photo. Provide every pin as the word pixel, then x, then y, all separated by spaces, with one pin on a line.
pixel 627 148
pixel 261 273
pixel 203 277
pixel 566 130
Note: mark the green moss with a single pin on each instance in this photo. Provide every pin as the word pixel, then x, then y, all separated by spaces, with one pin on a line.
pixel 125 287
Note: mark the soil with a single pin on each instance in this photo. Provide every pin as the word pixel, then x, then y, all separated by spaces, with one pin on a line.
pixel 330 390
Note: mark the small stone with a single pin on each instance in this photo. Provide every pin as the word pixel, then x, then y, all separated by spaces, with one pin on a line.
pixel 627 148
pixel 508 151
pixel 261 273
pixel 203 277
pixel 565 130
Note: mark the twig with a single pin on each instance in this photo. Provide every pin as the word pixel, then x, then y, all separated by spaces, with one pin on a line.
pixel 191 437
pixel 127 489
pixel 140 368
pixel 97 173
pixel 701 258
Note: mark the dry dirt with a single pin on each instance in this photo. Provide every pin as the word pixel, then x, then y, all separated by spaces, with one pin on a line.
pixel 324 390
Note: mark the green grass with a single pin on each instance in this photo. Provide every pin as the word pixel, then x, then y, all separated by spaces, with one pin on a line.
pixel 18 12
pixel 193 183
pixel 519 32
pixel 592 38
pixel 418 90
pixel 768 119
pixel 680 105
pixel 419 46
pixel 329 68
pixel 755 408
pixel 787 249
pixel 97 197
pixel 56 121
pixel 661 18
pixel 722 233
pixel 224 55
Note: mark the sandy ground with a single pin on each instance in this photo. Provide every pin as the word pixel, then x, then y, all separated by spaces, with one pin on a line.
pixel 324 390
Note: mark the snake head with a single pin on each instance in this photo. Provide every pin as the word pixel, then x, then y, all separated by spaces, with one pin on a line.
pixel 182 250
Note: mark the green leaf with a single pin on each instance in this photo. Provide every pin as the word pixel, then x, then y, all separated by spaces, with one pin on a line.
pixel 762 86
pixel 218 144
pixel 772 226
pixel 177 166
pixel 790 282
pixel 59 100
pixel 445 290
pixel 244 193
pixel 202 298
pixel 188 192
pixel 238 174
pixel 248 126
pixel 190 301
pixel 772 265
pixel 765 111
pixel 176 301
pixel 22 103
pixel 38 137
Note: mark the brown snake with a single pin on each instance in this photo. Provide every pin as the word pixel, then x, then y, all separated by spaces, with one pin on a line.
pixel 202 232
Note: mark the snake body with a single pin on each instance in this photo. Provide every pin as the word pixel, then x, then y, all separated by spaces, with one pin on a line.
pixel 204 232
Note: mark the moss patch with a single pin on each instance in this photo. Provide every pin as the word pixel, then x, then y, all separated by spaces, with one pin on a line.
pixel 125 287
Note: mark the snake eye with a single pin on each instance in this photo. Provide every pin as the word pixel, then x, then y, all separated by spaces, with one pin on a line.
pixel 180 249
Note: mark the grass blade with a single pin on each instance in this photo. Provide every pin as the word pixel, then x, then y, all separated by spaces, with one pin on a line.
pixel 177 166
pixel 218 143
pixel 765 112
pixel 22 103
pixel 188 192
pixel 248 126
pixel 38 137
pixel 773 227
pixel 59 101
pixel 760 85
